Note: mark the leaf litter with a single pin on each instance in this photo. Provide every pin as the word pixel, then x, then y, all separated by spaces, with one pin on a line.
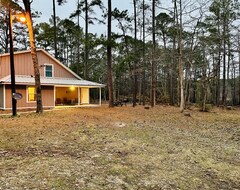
pixel 120 148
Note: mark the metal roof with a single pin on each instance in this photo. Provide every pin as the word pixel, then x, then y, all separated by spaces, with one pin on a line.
pixel 54 81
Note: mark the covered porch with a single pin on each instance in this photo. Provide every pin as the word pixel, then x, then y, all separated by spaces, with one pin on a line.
pixel 66 96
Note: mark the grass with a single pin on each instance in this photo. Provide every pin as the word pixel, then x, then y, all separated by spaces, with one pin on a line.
pixel 121 148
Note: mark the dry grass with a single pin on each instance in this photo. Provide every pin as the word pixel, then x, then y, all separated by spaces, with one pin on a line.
pixel 121 148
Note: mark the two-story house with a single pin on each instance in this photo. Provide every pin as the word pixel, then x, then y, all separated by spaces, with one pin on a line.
pixel 60 86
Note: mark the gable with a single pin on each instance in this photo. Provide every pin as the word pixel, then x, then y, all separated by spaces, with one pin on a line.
pixel 23 65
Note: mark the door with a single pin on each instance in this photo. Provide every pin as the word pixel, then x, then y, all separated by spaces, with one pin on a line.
pixel 84 95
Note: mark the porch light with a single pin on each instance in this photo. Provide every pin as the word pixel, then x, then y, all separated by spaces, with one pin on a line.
pixel 72 88
pixel 20 17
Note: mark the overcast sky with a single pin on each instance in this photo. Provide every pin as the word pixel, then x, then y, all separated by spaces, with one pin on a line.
pixel 45 7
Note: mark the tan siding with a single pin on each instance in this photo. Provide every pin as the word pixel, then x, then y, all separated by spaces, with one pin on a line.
pixel 1 96
pixel 23 65
pixel 4 66
pixel 59 71
pixel 47 97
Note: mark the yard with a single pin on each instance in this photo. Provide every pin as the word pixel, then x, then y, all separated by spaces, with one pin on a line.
pixel 121 148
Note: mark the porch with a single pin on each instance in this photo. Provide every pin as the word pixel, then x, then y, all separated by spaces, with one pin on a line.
pixel 74 96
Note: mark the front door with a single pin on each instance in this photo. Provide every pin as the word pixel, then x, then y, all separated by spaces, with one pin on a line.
pixel 84 96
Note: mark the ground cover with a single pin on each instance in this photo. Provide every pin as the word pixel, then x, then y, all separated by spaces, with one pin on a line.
pixel 121 148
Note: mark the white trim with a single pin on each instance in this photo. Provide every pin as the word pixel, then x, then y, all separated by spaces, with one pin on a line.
pixel 57 107
pixel 48 64
pixel 42 84
pixel 29 108
pixel 17 52
pixel 79 98
pixel 27 94
pixel 48 81
pixel 4 96
pixel 100 96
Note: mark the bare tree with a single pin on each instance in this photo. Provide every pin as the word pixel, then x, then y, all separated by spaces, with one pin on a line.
pixel 153 68
pixel 109 54
pixel 180 64
pixel 135 55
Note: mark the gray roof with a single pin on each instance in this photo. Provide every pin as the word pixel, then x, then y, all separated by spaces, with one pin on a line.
pixel 54 81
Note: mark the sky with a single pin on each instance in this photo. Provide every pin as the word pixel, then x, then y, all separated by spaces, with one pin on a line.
pixel 64 11
pixel 45 7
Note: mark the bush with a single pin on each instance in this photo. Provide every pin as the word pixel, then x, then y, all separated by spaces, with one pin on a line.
pixel 208 107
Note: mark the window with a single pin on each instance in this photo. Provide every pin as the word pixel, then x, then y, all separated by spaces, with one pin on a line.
pixel 31 94
pixel 49 71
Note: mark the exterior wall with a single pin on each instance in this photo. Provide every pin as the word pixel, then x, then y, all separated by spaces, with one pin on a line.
pixel 1 96
pixel 4 66
pixel 47 97
pixel 59 71
pixel 23 65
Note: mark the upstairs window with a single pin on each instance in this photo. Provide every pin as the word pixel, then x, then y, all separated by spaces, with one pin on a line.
pixel 49 71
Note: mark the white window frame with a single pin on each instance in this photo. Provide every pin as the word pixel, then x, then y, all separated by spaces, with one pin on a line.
pixel 27 94
pixel 45 65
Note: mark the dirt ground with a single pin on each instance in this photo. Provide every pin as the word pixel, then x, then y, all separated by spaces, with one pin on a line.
pixel 121 148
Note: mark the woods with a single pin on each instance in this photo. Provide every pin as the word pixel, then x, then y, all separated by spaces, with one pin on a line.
pixel 177 53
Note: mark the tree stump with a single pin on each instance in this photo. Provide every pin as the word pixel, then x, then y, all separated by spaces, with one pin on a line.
pixel 186 113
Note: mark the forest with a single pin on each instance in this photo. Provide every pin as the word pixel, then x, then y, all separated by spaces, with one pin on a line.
pixel 182 53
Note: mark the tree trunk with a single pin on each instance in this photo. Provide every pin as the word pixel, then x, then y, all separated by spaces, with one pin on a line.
pixel 224 65
pixel 217 96
pixel 153 68
pixel 135 56
pixel 78 40
pixel 144 59
pixel 109 54
pixel 180 64
pixel 5 47
pixel 34 56
pixel 204 98
pixel 55 30
pixel 174 61
pixel 86 41
pixel 228 83
pixel 239 69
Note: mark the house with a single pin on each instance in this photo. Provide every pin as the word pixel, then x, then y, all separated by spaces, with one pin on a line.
pixel 60 85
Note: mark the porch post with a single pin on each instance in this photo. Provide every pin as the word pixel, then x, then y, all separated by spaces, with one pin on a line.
pixel 100 96
pixel 54 96
pixel 78 95
pixel 4 97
